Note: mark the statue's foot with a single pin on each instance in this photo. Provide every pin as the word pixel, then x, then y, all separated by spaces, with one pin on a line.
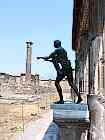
pixel 79 100
pixel 59 102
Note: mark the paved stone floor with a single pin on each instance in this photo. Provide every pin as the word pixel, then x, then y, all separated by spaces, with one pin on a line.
pixel 36 130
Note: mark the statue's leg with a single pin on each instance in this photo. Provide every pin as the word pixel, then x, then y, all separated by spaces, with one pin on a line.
pixel 58 87
pixel 70 81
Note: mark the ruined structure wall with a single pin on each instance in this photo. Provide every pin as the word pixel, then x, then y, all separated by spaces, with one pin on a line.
pixel 11 85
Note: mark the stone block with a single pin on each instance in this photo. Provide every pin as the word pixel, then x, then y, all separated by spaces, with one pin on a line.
pixel 70 106
pixel 70 114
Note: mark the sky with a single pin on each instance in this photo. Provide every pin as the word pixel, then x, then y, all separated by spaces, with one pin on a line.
pixel 41 21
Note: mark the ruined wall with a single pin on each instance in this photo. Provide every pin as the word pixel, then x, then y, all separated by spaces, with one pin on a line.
pixel 11 85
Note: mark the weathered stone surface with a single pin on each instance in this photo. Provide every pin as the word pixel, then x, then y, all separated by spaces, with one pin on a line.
pixel 70 111
pixel 70 106
pixel 97 116
pixel 72 119
pixel 52 132
pixel 72 134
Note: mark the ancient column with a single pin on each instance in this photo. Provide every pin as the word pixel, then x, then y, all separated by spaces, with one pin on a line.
pixel 96 45
pixel 28 60
pixel 96 24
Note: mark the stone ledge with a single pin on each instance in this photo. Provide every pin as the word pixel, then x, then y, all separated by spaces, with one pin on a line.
pixel 67 123
pixel 70 106
pixel 71 114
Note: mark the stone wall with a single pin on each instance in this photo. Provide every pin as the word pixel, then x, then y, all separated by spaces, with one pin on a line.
pixel 11 85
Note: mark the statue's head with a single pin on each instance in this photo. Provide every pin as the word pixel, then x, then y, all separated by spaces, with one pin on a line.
pixel 57 43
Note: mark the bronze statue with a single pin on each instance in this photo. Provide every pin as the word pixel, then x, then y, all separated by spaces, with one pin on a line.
pixel 63 67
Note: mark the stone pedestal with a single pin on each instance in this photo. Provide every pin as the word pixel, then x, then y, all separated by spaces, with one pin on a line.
pixel 72 119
